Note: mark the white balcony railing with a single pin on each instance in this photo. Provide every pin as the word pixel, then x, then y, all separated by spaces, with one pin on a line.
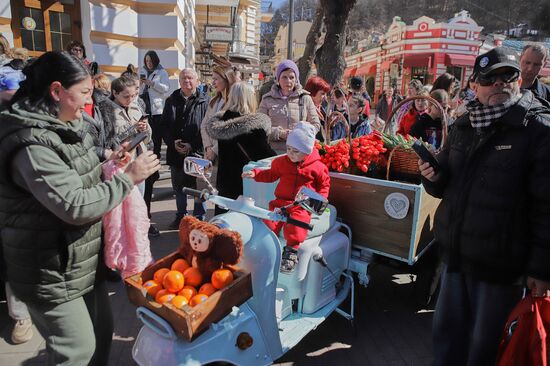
pixel 243 49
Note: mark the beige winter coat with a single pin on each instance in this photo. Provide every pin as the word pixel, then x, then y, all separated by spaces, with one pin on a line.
pixel 286 112
pixel 208 141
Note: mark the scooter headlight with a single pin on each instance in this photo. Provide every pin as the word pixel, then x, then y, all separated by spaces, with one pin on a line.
pixel 244 341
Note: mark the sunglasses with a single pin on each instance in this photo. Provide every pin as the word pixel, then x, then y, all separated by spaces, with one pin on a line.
pixel 507 77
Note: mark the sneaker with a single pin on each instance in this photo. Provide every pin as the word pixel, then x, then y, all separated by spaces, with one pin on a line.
pixel 22 331
pixel 153 231
pixel 289 260
pixel 175 225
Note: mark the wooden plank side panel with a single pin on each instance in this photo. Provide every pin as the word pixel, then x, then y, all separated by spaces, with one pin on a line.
pixel 425 223
pixel 361 205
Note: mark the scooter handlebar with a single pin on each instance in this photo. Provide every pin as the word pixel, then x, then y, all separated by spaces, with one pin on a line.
pixel 203 195
pixel 303 225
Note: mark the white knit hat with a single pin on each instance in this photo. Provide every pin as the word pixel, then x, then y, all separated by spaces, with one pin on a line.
pixel 302 137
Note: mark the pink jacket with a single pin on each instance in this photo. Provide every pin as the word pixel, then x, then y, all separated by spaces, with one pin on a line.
pixel 125 232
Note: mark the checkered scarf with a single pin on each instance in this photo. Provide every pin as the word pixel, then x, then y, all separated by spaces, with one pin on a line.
pixel 484 115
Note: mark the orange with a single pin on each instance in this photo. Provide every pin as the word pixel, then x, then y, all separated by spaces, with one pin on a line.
pixel 159 274
pixel 207 289
pixel 221 278
pixel 193 276
pixel 173 281
pixel 163 295
pixel 152 287
pixel 179 301
pixel 180 265
pixel 197 299
pixel 188 292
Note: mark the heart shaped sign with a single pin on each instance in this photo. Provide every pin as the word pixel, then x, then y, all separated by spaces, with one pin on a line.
pixel 396 205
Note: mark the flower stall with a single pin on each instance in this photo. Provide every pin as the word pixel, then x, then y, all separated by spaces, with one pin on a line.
pixel 375 186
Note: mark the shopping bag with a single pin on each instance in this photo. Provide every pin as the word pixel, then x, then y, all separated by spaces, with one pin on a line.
pixel 525 341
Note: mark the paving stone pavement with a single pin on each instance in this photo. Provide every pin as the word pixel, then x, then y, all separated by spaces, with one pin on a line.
pixel 391 328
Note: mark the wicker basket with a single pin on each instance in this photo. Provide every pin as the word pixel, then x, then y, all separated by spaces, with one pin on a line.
pixel 403 162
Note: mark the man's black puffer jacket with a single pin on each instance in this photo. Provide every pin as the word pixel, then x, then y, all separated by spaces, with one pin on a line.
pixel 494 219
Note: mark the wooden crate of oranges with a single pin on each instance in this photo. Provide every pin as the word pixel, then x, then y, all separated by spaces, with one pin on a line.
pixel 179 294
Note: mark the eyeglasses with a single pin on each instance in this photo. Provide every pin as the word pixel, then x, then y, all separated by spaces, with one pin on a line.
pixel 76 49
pixel 507 77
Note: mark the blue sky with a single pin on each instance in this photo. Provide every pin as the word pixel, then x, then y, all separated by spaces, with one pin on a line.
pixel 277 3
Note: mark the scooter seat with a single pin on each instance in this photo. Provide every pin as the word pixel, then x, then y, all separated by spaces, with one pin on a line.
pixel 321 223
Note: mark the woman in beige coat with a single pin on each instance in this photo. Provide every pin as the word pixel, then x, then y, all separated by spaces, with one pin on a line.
pixel 287 104
pixel 222 80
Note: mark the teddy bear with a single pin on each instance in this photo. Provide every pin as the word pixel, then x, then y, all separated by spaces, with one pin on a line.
pixel 206 246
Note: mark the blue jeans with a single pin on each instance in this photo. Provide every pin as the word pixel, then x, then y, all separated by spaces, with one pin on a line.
pixel 469 319
pixel 16 308
pixel 180 180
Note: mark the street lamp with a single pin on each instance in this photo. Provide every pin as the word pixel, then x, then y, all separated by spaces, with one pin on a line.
pixel 290 26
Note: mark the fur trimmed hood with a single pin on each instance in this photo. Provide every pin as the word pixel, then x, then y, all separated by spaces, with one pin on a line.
pixel 219 129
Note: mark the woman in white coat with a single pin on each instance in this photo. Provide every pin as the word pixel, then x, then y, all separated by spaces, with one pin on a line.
pixel 154 90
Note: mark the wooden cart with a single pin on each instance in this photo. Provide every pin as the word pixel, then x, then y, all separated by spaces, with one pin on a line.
pixel 393 219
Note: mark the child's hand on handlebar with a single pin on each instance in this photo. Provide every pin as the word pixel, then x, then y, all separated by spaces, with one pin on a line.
pixel 248 174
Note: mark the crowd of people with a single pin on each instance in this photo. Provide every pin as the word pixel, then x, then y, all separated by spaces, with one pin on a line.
pixel 61 117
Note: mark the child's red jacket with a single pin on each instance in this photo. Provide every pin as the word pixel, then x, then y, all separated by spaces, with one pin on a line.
pixel 311 173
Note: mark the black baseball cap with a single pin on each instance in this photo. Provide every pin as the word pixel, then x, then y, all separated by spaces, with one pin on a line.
pixel 495 59
pixel 356 82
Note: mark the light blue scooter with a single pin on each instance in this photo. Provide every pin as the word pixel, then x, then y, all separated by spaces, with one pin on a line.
pixel 284 307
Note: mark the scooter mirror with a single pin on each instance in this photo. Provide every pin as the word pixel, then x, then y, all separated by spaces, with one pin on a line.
pixel 197 167
pixel 311 201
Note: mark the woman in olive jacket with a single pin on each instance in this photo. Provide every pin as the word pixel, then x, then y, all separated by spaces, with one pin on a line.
pixel 51 205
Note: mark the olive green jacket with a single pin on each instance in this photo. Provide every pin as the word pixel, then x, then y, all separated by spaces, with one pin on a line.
pixel 51 204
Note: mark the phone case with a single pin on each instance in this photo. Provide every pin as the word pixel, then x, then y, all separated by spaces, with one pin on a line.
pixel 425 154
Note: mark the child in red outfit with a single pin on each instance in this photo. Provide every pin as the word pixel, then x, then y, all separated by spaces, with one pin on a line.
pixel 301 166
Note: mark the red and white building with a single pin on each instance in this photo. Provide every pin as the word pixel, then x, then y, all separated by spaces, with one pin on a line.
pixel 423 50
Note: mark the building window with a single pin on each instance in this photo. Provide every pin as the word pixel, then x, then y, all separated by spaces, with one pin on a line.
pixel 456 71
pixel 60 30
pixel 35 39
pixel 421 73
pixel 42 26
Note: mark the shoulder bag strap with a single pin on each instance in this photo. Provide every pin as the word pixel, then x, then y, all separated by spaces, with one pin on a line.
pixel 243 151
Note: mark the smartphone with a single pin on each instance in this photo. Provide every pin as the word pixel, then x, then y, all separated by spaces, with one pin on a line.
pixel 142 77
pixel 144 116
pixel 136 140
pixel 426 156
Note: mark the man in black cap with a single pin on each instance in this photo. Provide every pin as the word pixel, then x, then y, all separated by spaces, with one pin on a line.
pixel 532 60
pixel 492 222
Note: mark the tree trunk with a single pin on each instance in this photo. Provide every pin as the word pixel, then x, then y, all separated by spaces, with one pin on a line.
pixel 329 58
pixel 306 61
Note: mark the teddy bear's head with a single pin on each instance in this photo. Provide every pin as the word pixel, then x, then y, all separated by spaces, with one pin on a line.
pixel 208 240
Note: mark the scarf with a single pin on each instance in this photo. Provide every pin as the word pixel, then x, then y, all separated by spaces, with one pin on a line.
pixel 484 115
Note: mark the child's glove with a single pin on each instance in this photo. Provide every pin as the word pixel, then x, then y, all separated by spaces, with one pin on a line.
pixel 248 174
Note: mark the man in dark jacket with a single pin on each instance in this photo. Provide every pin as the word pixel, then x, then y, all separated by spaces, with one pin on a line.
pixel 492 222
pixel 532 60
pixel 182 114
